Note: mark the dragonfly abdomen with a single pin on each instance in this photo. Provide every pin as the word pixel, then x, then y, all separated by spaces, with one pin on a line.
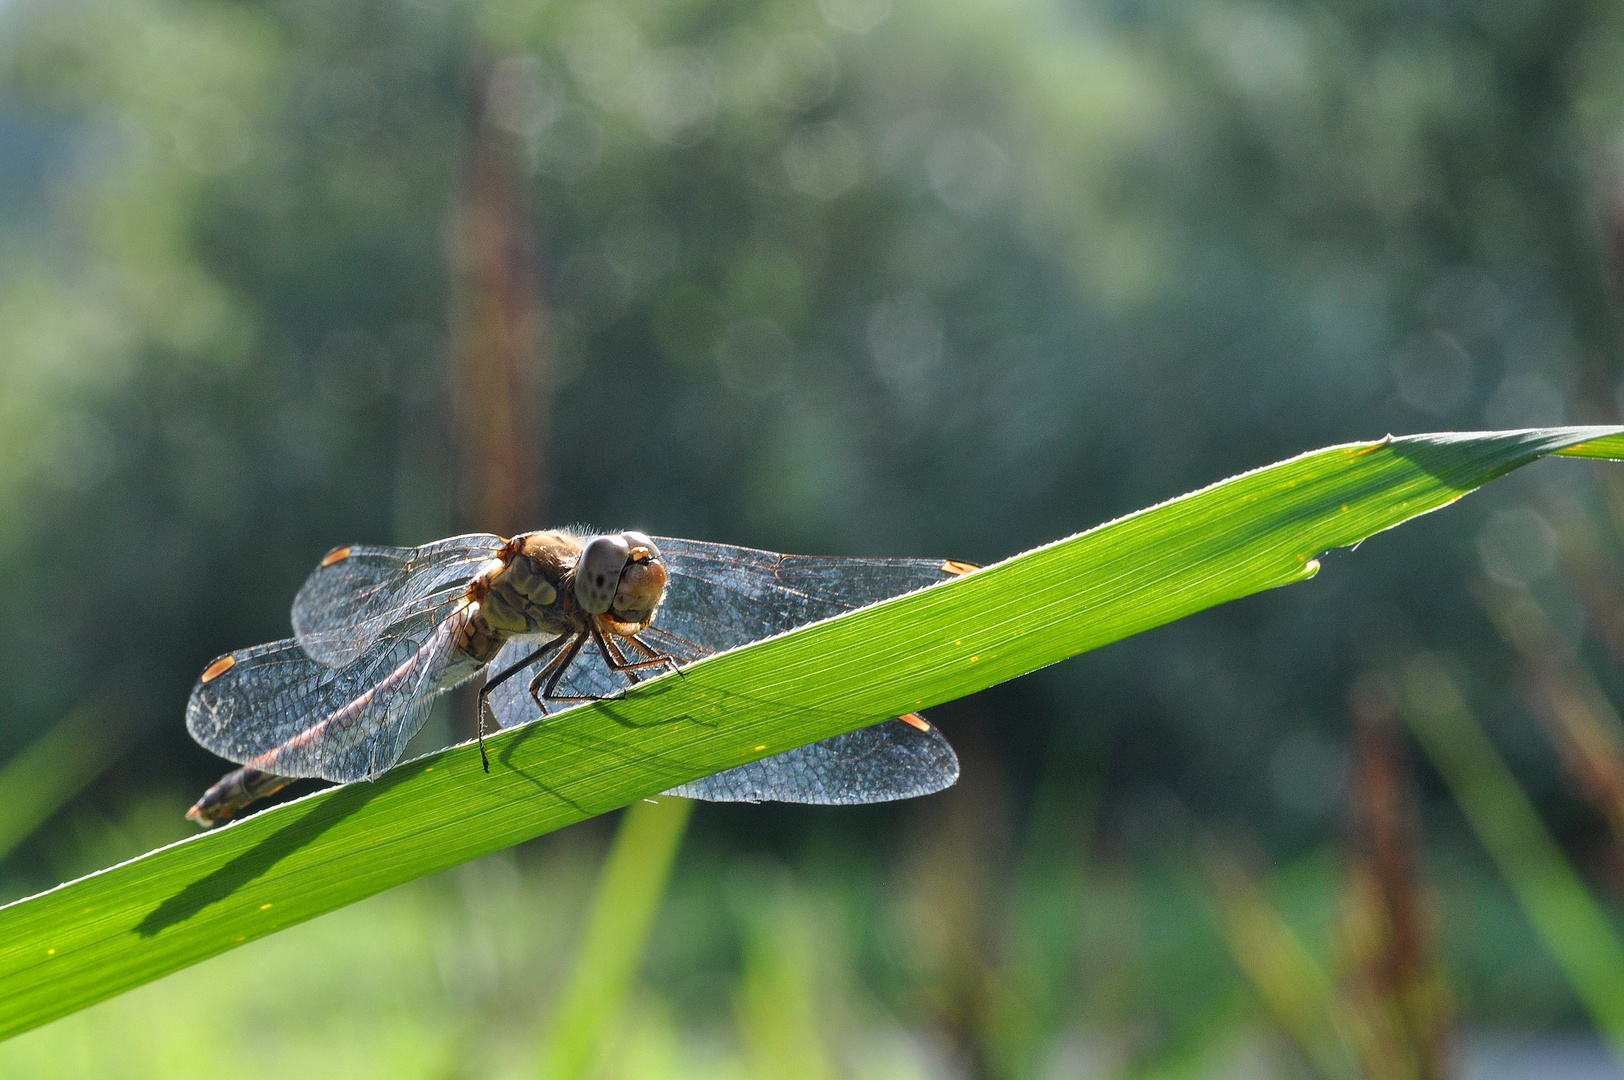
pixel 479 639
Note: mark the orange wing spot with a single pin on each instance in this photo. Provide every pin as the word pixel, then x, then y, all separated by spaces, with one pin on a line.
pixel 913 719
pixel 218 668
pixel 954 566
pixel 338 554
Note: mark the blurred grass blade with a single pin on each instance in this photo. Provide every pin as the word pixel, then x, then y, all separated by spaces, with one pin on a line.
pixel 1553 896
pixel 55 767
pixel 108 932
pixel 1292 985
pixel 1591 569
pixel 589 1011
pixel 777 998
pixel 1029 978
pixel 1576 712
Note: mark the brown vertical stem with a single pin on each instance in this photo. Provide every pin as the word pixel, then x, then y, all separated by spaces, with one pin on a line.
pixel 1390 926
pixel 499 355
pixel 500 386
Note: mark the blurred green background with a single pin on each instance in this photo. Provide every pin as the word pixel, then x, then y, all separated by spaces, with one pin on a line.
pixel 840 276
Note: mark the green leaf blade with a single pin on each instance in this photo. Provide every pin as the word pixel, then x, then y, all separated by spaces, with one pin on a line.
pixel 100 935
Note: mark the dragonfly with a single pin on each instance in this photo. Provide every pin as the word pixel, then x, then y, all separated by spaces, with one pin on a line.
pixel 550 619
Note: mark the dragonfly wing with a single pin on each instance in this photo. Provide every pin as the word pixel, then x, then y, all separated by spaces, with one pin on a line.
pixel 274 708
pixel 721 596
pixel 359 591
pixel 891 760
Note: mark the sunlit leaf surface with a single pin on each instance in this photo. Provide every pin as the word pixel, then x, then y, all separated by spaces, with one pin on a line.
pixel 92 938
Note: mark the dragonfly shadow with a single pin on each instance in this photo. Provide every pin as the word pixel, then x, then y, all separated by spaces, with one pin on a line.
pixel 504 757
pixel 221 882
pixel 549 727
pixel 637 756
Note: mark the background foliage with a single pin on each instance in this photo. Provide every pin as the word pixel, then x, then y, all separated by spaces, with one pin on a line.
pixel 866 276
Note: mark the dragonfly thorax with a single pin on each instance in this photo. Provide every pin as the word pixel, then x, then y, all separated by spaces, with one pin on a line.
pixel 526 594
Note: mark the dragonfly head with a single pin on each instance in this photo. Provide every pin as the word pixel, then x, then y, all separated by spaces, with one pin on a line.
pixel 620 576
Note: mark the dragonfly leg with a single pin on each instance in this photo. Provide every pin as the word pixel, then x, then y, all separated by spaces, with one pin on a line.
pixel 655 655
pixel 615 657
pixel 612 655
pixel 695 652
pixel 554 671
pixel 497 680
pixel 558 665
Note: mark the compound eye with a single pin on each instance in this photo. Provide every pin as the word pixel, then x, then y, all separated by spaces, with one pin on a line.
pixel 636 540
pixel 597 573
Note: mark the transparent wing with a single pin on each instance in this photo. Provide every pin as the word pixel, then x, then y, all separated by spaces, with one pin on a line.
pixel 892 760
pixel 359 591
pixel 274 708
pixel 721 596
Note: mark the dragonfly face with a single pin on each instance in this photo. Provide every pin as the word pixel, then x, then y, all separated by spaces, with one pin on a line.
pixel 551 618
pixel 639 587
